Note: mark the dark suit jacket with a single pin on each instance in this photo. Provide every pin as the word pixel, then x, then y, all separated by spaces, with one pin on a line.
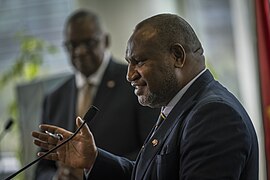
pixel 207 135
pixel 120 126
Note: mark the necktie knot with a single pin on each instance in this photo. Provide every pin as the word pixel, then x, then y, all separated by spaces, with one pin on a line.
pixel 161 118
pixel 162 115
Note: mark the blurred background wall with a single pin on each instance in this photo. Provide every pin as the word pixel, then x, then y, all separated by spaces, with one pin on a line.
pixel 225 27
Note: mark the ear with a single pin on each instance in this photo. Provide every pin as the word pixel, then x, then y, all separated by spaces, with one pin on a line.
pixel 179 54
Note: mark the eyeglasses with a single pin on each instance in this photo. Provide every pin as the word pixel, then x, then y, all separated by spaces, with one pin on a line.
pixel 88 43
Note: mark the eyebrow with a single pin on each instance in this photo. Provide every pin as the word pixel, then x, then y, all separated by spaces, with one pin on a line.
pixel 198 49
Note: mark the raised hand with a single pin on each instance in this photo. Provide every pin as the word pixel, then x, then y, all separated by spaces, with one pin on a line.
pixel 79 152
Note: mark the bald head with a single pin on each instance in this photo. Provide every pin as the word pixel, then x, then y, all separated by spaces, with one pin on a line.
pixel 170 29
pixel 82 15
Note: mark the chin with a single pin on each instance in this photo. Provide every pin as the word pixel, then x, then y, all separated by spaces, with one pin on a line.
pixel 146 101
pixel 142 101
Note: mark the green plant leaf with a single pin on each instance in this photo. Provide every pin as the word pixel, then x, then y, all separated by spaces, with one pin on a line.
pixel 31 70
pixel 28 62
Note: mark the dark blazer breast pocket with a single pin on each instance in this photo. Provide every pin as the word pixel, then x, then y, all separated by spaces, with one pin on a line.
pixel 167 164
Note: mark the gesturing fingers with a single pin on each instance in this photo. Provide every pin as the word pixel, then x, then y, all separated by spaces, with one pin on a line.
pixel 51 156
pixel 44 138
pixel 55 130
pixel 43 145
pixel 85 131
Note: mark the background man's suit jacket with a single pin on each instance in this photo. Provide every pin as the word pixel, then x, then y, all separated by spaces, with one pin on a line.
pixel 120 126
pixel 207 135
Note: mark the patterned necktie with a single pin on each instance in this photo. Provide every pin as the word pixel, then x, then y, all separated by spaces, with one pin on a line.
pixel 84 99
pixel 161 118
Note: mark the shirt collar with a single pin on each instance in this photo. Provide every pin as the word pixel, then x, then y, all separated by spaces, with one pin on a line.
pixel 97 76
pixel 167 109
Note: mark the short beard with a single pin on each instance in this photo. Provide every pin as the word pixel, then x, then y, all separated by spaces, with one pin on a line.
pixel 168 89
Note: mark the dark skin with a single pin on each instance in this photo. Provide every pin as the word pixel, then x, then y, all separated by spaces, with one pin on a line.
pixel 157 73
pixel 142 57
pixel 86 45
pixel 80 152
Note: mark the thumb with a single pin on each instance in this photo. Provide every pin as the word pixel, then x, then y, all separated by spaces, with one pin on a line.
pixel 85 131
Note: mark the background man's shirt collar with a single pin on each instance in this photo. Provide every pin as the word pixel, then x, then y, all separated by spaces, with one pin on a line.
pixel 95 78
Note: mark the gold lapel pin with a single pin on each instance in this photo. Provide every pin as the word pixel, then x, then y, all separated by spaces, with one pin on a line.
pixel 155 142
pixel 111 84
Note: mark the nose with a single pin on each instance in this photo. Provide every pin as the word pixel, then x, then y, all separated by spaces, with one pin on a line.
pixel 80 50
pixel 132 73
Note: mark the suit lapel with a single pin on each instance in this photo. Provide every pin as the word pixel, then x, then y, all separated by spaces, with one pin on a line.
pixel 70 103
pixel 109 81
pixel 66 105
pixel 154 144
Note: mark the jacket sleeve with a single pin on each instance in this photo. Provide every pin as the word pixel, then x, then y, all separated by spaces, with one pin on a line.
pixel 109 166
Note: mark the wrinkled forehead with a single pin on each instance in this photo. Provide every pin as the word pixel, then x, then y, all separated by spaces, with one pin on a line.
pixel 145 32
pixel 143 37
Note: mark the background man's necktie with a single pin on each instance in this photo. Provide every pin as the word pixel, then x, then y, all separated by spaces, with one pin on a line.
pixel 84 99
